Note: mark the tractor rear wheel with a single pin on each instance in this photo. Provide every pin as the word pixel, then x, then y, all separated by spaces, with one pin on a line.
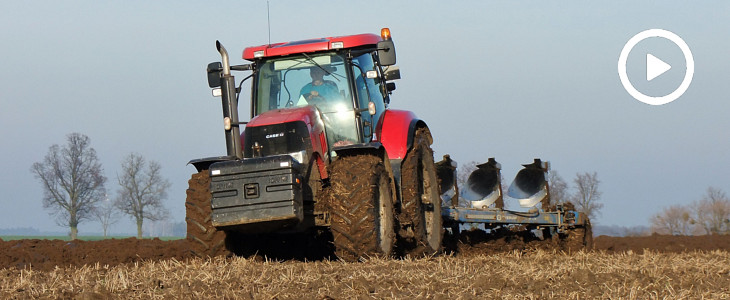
pixel 204 239
pixel 421 230
pixel 360 202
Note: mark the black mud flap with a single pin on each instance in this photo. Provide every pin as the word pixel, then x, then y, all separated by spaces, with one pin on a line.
pixel 256 195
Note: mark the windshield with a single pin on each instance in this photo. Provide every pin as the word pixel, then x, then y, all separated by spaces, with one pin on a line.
pixel 318 80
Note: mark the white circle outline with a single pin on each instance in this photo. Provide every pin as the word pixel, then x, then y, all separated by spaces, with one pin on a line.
pixel 689 61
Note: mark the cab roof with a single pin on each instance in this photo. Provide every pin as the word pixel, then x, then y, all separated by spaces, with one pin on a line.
pixel 311 45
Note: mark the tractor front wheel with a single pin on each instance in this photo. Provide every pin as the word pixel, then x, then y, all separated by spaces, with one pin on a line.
pixel 360 201
pixel 204 239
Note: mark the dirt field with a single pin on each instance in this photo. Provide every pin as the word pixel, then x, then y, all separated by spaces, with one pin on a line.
pixel 44 255
pixel 632 268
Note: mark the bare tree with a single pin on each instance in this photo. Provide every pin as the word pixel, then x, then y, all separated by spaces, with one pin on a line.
pixel 73 181
pixel 462 175
pixel 106 213
pixel 464 171
pixel 558 188
pixel 587 195
pixel 673 220
pixel 712 212
pixel 142 190
pixel 159 228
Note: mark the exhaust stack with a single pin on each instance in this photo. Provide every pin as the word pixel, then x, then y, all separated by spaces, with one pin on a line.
pixel 230 106
pixel 530 186
pixel 484 185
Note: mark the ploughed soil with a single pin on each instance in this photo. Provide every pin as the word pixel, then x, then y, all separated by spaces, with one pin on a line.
pixel 45 255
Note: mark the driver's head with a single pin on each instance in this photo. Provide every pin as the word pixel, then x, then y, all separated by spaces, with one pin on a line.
pixel 317 73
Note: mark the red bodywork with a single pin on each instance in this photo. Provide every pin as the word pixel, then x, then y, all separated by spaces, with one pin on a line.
pixel 395 131
pixel 313 45
pixel 306 114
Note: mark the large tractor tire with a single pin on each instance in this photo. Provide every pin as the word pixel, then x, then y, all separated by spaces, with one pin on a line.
pixel 360 202
pixel 204 239
pixel 421 231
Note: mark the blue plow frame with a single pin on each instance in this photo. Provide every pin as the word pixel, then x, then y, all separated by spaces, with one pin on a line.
pixel 561 218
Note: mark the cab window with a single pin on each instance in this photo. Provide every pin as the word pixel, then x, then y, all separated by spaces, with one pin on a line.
pixel 367 90
pixel 288 82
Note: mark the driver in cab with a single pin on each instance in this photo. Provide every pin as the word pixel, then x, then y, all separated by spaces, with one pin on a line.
pixel 319 90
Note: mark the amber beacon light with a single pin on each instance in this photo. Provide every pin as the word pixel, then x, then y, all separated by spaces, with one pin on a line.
pixel 385 33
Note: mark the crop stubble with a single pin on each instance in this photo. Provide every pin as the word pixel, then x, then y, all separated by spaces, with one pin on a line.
pixel 632 267
pixel 538 274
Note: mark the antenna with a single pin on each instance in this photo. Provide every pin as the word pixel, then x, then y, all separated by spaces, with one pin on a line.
pixel 268 20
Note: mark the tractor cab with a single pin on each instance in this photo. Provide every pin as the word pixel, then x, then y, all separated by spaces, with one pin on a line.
pixel 308 96
pixel 344 86
pixel 341 78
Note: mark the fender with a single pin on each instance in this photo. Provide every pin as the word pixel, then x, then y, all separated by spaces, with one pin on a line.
pixel 373 148
pixel 376 148
pixel 201 164
pixel 396 132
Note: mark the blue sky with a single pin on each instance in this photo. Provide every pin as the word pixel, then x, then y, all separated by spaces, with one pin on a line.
pixel 511 80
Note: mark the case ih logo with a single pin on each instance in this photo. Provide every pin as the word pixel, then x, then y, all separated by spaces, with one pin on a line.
pixel 274 135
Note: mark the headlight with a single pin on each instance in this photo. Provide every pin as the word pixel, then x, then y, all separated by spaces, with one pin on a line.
pixel 300 156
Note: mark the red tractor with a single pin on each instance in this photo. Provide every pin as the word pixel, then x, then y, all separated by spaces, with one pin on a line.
pixel 322 152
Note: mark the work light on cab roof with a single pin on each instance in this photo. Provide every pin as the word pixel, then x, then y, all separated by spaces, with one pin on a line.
pixel 318 45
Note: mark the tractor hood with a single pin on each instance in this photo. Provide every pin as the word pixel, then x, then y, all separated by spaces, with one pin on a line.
pixel 296 131
pixel 307 114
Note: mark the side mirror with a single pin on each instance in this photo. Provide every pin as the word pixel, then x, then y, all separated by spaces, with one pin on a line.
pixel 390 86
pixel 214 74
pixel 386 53
pixel 391 73
pixel 387 88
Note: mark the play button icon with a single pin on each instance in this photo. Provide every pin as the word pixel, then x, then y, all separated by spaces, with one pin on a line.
pixel 655 67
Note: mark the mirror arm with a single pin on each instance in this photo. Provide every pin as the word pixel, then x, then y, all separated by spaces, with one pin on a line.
pixel 246 67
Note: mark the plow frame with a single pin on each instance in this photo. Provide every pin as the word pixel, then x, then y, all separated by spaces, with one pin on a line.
pixel 560 218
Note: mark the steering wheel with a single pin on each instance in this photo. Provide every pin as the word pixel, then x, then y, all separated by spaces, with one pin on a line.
pixel 315 100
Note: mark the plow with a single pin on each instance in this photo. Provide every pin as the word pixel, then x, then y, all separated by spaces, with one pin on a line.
pixel 325 163
pixel 483 206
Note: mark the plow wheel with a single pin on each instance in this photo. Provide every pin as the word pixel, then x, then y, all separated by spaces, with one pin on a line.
pixel 420 215
pixel 361 208
pixel 204 239
pixel 577 238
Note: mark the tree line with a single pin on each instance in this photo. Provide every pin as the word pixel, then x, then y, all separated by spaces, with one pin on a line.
pixel 708 215
pixel 585 193
pixel 74 187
